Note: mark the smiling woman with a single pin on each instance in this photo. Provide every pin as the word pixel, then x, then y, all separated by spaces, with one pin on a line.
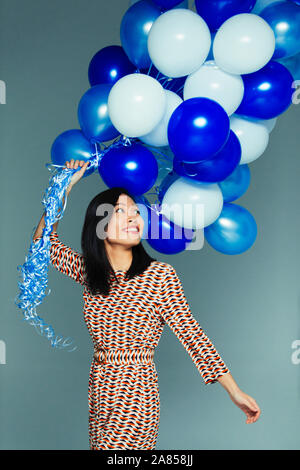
pixel 128 298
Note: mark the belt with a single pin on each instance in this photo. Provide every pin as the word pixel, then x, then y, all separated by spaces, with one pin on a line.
pixel 124 355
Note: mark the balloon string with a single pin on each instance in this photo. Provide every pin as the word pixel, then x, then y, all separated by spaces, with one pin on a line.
pixel 165 81
pixel 179 89
pixel 35 269
pixel 158 152
pixel 149 69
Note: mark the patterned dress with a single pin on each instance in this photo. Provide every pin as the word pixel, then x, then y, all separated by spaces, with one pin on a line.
pixel 125 327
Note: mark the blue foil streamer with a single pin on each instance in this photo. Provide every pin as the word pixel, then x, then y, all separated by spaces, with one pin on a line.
pixel 34 271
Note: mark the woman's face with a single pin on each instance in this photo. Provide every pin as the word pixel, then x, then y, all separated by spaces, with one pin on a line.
pixel 126 224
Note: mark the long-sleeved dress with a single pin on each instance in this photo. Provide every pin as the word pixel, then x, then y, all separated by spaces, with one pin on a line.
pixel 125 327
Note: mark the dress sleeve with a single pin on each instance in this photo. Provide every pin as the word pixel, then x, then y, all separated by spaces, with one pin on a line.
pixel 176 312
pixel 66 260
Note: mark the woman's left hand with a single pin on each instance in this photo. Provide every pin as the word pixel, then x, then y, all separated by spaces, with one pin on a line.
pixel 247 404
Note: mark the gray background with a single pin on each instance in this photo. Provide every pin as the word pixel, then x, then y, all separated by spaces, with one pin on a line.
pixel 247 304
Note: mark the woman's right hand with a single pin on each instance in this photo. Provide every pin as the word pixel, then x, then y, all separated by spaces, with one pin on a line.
pixel 73 164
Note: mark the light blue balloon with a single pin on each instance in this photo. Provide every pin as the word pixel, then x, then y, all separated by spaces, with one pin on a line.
pixel 236 184
pixel 233 232
pixel 284 19
pixel 134 31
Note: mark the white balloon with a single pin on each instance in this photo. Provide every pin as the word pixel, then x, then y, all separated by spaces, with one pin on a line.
pixel 268 123
pixel 210 81
pixel 192 204
pixel 253 137
pixel 243 44
pixel 136 104
pixel 178 42
pixel 159 136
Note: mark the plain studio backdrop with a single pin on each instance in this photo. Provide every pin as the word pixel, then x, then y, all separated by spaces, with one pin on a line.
pixel 248 304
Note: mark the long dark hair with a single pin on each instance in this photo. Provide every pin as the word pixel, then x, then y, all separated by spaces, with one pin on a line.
pixel 97 266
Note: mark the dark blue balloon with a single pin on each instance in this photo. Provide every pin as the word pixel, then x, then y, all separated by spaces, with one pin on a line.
pixel 133 167
pixel 166 183
pixel 236 184
pixel 268 92
pixel 134 31
pixel 109 65
pixel 233 232
pixel 216 169
pixel 198 129
pixel 93 114
pixel 215 12
pixel 211 53
pixel 72 144
pixel 166 237
pixel 167 4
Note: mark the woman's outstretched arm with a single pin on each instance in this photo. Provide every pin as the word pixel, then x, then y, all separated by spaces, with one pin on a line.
pixel 73 164
pixel 176 312
pixel 62 257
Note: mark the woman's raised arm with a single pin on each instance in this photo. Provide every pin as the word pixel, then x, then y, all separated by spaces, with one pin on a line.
pixel 63 258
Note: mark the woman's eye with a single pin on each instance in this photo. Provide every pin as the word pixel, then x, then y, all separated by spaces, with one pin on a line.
pixel 122 209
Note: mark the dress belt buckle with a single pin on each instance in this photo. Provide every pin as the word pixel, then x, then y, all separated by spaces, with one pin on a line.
pixel 97 356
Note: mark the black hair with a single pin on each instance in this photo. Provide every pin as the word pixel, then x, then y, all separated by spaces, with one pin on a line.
pixel 97 266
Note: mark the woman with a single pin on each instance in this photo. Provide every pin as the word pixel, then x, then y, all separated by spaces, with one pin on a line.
pixel 128 297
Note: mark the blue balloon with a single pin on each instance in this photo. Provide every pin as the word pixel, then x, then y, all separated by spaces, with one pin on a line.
pixel 216 169
pixel 109 65
pixel 184 4
pixel 268 92
pixel 166 183
pixel 198 129
pixel 134 31
pixel 211 53
pixel 284 19
pixel 93 114
pixel 72 144
pixel 133 167
pixel 236 184
pixel 216 12
pixel 292 64
pixel 143 205
pixel 233 232
pixel 260 5
pixel 167 4
pixel 166 237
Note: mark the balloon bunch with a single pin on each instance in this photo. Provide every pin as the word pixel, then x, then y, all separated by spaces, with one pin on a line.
pixel 181 108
